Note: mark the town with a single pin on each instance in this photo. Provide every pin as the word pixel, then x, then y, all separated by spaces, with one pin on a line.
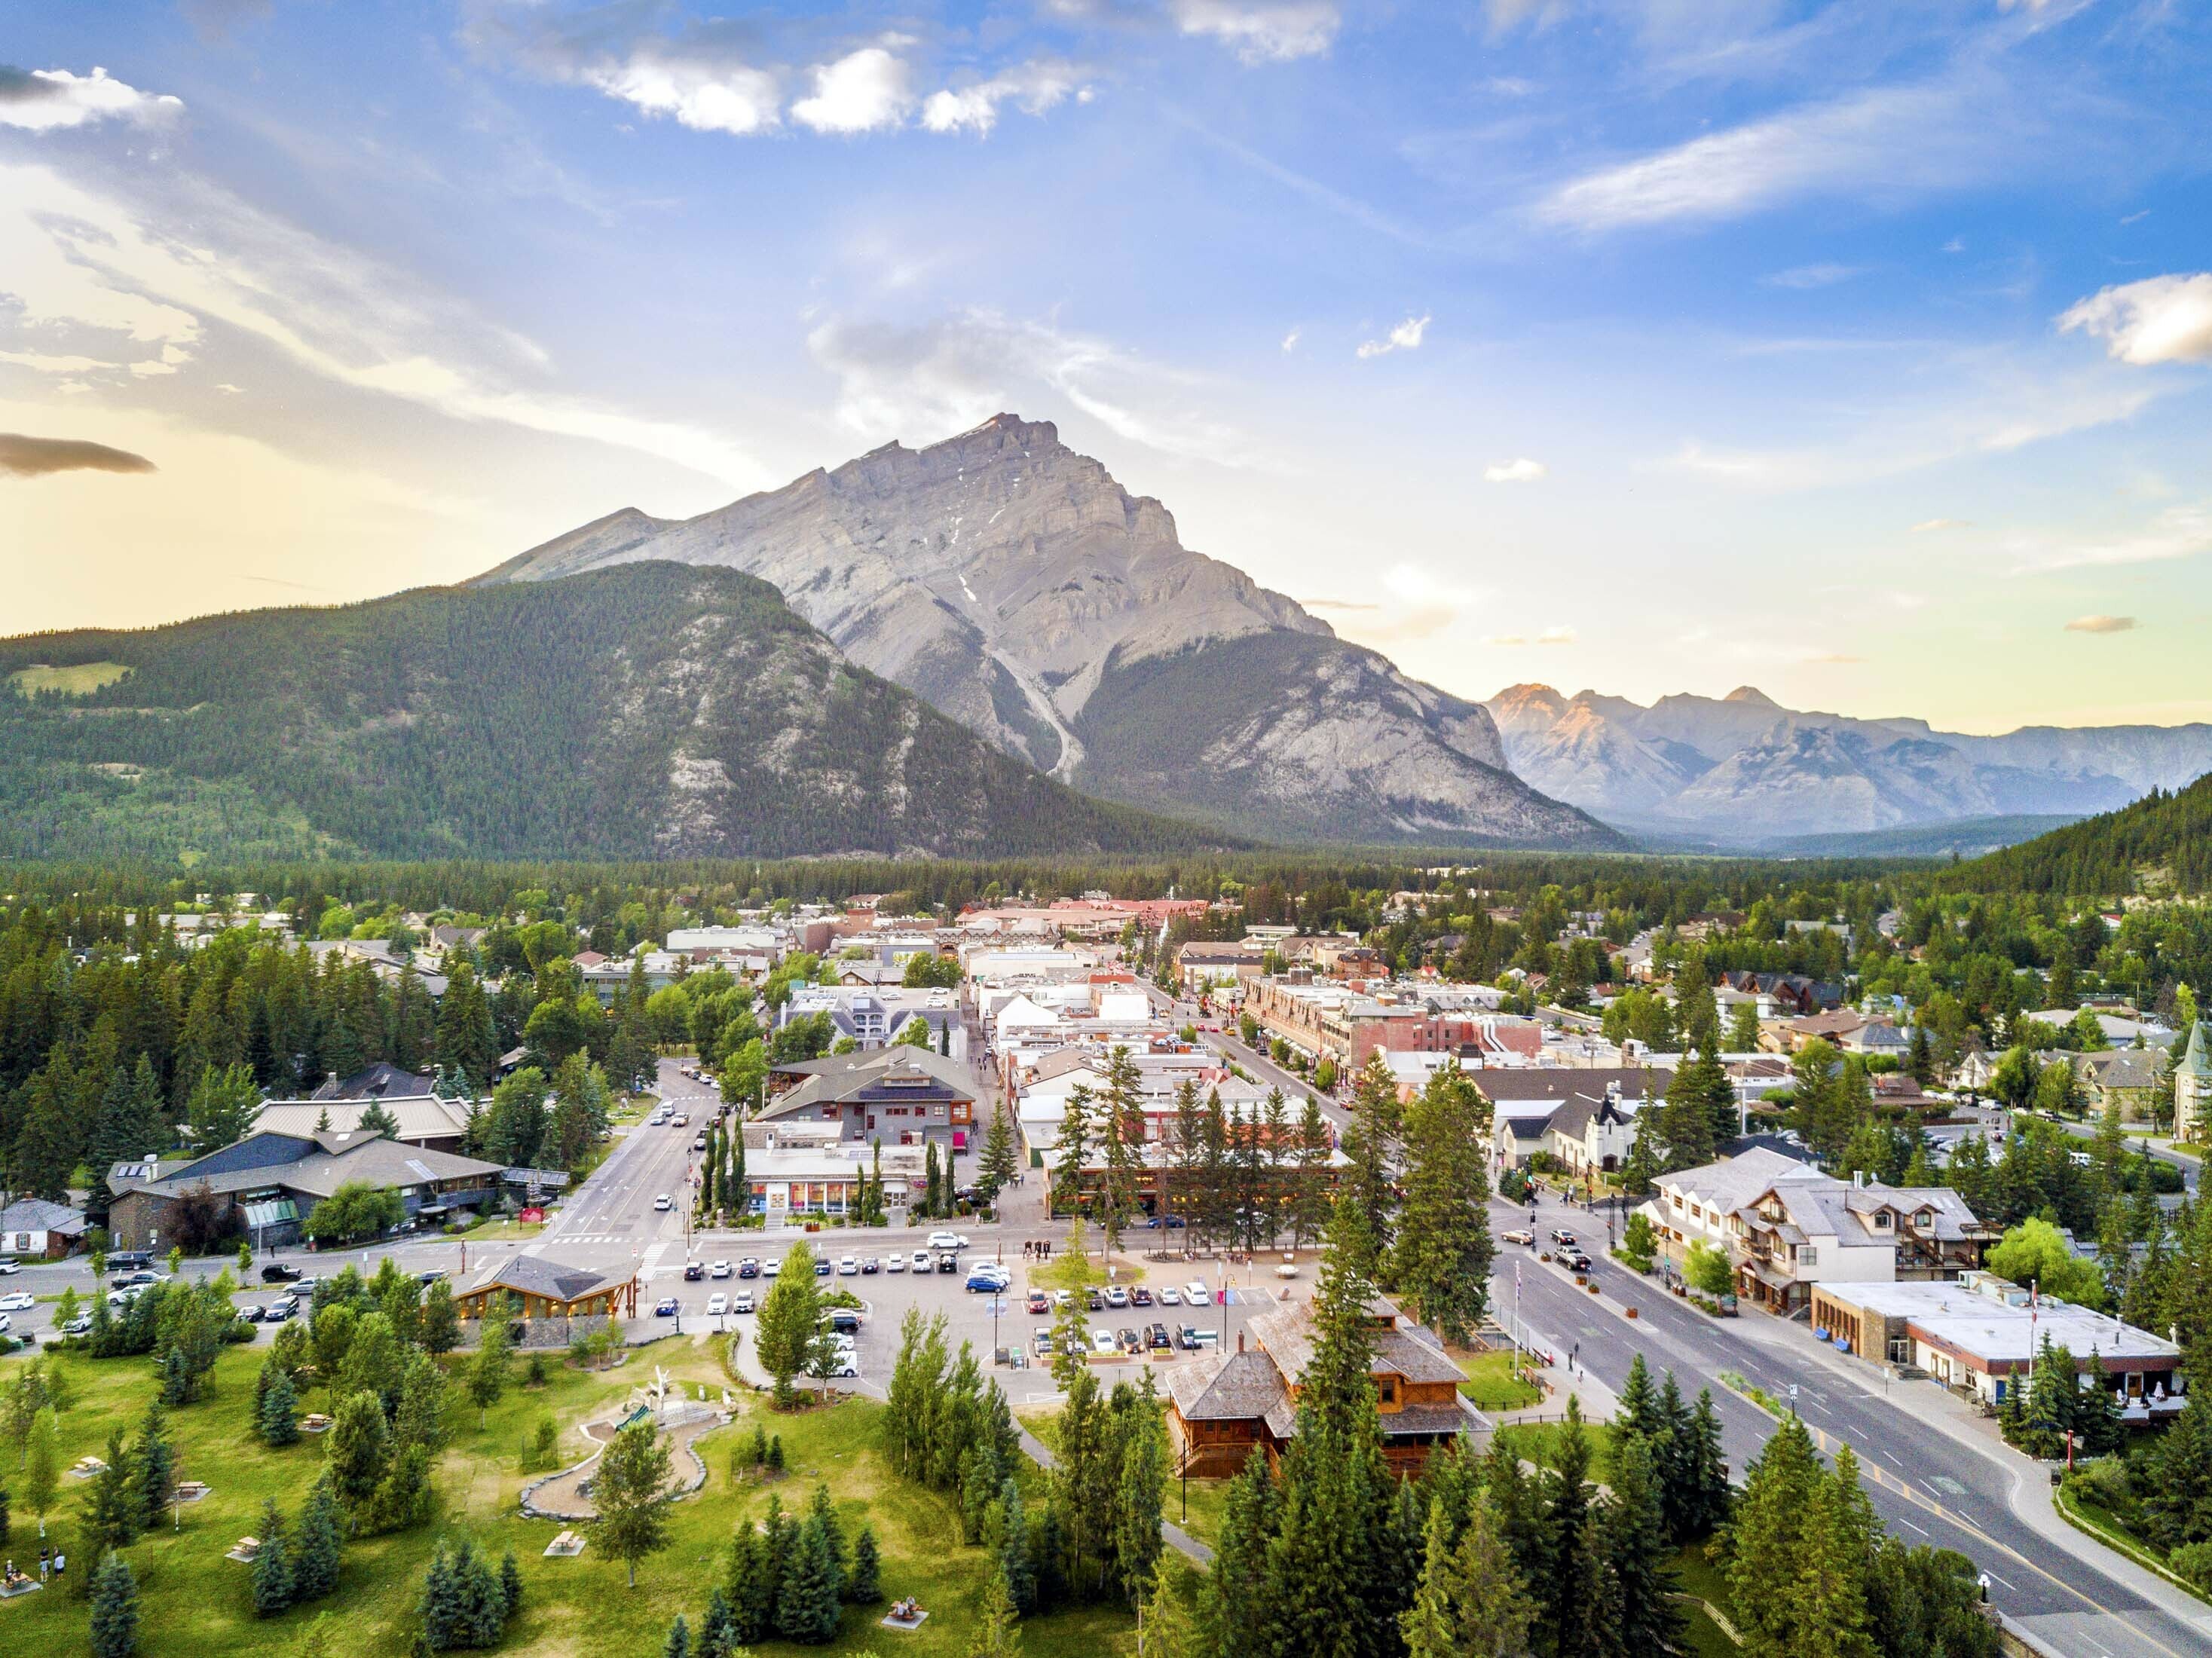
pixel 420 1266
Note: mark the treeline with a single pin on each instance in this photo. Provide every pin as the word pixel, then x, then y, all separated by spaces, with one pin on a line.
pixel 2167 833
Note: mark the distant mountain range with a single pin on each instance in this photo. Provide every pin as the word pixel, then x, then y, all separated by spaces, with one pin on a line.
pixel 1017 587
pixel 658 710
pixel 1744 771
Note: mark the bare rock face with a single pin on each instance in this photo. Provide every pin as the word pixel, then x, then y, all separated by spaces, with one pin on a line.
pixel 1013 583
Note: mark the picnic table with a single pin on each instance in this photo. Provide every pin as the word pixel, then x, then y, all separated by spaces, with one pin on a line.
pixel 244 1551
pixel 565 1546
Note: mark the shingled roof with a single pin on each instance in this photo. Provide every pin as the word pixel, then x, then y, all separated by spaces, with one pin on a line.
pixel 534 1275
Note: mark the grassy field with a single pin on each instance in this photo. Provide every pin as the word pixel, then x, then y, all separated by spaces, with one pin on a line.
pixel 1494 1381
pixel 1699 1577
pixel 193 1602
pixel 1538 1443
pixel 76 681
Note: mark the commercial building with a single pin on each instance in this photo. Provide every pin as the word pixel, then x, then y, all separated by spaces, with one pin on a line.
pixel 1981 1334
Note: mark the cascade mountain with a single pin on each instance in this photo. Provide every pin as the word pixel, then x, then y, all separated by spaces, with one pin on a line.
pixel 1016 586
pixel 658 710
pixel 1743 769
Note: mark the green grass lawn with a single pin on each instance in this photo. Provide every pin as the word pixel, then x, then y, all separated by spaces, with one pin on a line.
pixel 1538 1443
pixel 193 1602
pixel 1700 1577
pixel 1494 1381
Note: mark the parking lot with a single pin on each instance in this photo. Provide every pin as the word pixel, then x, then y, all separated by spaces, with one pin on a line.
pixel 990 1323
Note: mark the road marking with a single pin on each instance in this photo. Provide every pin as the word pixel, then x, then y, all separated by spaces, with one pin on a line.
pixel 1923 1530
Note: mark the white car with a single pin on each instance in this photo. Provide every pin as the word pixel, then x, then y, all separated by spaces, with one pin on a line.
pixel 850 1268
pixel 10 1264
pixel 663 1202
pixel 1117 1296
pixel 1169 1296
pixel 895 1264
pixel 947 1240
pixel 21 1302
pixel 922 1262
pixel 717 1304
pixel 1197 1294
pixel 1102 1341
pixel 720 1269
pixel 770 1268
pixel 743 1302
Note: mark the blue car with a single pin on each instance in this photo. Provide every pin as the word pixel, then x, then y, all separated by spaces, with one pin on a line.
pixel 989 1283
pixel 822 1267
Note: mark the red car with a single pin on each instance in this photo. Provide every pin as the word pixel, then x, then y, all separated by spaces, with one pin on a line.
pixel 1038 1304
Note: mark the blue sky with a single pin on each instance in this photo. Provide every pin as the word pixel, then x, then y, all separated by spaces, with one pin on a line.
pixel 1857 351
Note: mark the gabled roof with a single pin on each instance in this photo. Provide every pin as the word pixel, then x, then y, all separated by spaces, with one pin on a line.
pixel 884 1073
pixel 377 1081
pixel 1226 1387
pixel 326 1162
pixel 534 1275
pixel 1733 1182
pixel 37 1215
pixel 420 1117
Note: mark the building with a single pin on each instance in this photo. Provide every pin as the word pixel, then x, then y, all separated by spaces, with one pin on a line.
pixel 1585 1119
pixel 2192 1085
pixel 900 1095
pixel 33 1228
pixel 532 1287
pixel 424 1120
pixel 1980 1334
pixel 1204 969
pixel 268 1183
pixel 1787 1227
pixel 812 1169
pixel 1223 1405
pixel 2128 1078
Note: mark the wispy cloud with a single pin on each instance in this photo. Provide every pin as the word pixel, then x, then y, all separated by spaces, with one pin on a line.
pixel 29 457
pixel 1261 31
pixel 1032 88
pixel 41 99
pixel 1929 526
pixel 1558 636
pixel 1520 470
pixel 2179 532
pixel 1406 336
pixel 2101 624
pixel 2158 319
pixel 1814 276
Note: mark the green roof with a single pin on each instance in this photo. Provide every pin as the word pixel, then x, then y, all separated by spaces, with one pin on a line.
pixel 2197 1061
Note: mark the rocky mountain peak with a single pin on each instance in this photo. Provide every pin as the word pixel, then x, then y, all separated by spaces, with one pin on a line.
pixel 1752 695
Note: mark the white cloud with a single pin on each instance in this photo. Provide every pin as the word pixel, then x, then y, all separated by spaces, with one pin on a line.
pixel 160 272
pixel 944 376
pixel 1033 88
pixel 2101 624
pixel 2179 532
pixel 1813 275
pixel 2158 320
pixel 1892 141
pixel 1931 525
pixel 1261 31
pixel 861 92
pixel 1290 339
pixel 1560 636
pixel 1519 470
pixel 41 363
pixel 44 98
pixel 706 96
pixel 1406 336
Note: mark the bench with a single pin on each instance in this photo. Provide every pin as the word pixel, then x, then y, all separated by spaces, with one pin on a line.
pixel 565 1546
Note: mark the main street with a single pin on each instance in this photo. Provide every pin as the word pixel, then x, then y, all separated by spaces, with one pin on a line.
pixel 1934 1475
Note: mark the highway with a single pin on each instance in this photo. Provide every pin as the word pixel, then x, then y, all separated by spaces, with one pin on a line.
pixel 1937 1481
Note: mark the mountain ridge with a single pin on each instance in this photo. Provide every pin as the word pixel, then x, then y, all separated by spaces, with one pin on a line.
pixel 1745 767
pixel 1019 588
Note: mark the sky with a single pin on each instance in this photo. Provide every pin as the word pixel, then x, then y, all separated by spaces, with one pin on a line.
pixel 1860 351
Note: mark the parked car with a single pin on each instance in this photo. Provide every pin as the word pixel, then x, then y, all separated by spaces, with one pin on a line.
pixel 717 1304
pixel 947 1262
pixel 1139 1296
pixel 922 1262
pixel 1127 1339
pixel 844 1320
pixel 253 1314
pixel 1042 1342
pixel 822 1267
pixel 19 1300
pixel 667 1307
pixel 81 1325
pixel 1093 1301
pixel 871 1264
pixel 770 1268
pixel 1116 1295
pixel 1102 1342
pixel 6 1324
pixel 280 1310
pixel 1063 1299
pixel 1169 1296
pixel 128 1260
pixel 742 1302
pixel 1156 1222
pixel 693 1271
pixel 1040 1303
pixel 699 1142
pixel 9 1263
pixel 1194 1339
pixel 850 1268
pixel 986 1281
pixel 749 1267
pixel 1158 1339
pixel 429 1276
pixel 1197 1294
pixel 895 1264
pixel 276 1274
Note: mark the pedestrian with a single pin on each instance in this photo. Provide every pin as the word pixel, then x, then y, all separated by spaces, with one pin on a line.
pixel 45 1563
pixel 61 1563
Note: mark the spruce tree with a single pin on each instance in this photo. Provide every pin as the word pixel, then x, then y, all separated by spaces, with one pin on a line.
pixel 1143 1458
pixel 277 1418
pixel 806 1600
pixel 154 1465
pixel 1016 1548
pixel 822 1514
pixel 510 1586
pixel 718 1635
pixel 114 1608
pixel 1429 1627
pixel 359 1449
pixel 440 1610
pixel 863 1585
pixel 1705 1473
pixel 1441 1260
pixel 273 1585
pixel 114 1512
pixel 678 1643
pixel 1638 1409
pixel 1638 1552
pixel 317 1545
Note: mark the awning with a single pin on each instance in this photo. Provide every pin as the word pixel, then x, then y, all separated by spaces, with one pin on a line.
pixel 276 1211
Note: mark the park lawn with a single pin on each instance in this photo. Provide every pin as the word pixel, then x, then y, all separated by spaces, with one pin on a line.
pixel 193 1602
pixel 1538 1443
pixel 1697 1575
pixel 1494 1381
pixel 1074 1271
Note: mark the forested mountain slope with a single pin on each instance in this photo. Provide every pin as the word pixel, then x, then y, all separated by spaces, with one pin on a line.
pixel 2160 844
pixel 652 710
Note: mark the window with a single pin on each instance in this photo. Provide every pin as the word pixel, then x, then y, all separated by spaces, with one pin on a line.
pixel 1924 1219
pixel 1808 1255
pixel 1881 1220
pixel 1675 1198
pixel 1386 1389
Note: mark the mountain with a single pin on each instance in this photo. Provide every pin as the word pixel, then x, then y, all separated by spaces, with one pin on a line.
pixel 2161 844
pixel 1746 771
pixel 657 710
pixel 1017 587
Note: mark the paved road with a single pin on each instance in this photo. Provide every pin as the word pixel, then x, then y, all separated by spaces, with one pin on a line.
pixel 1953 1486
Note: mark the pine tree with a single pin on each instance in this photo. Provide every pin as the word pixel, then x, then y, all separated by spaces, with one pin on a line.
pixel 273 1585
pixel 1371 1145
pixel 1440 1261
pixel 1143 1458
pixel 679 1644
pixel 718 1627
pixel 317 1546
pixel 806 1600
pixel 114 1512
pixel 998 1632
pixel 1709 1496
pixel 1766 1540
pixel 277 1418
pixel 1429 1627
pixel 114 1608
pixel 153 1466
pixel 1638 1409
pixel 1638 1552
pixel 864 1586
pixel 995 1166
